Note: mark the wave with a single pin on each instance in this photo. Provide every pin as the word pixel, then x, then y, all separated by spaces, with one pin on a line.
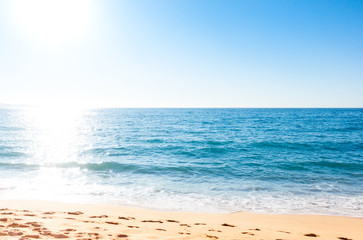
pixel 9 128
pixel 345 129
pixel 207 149
pixel 282 145
pixel 20 166
pixel 12 154
pixel 213 171
pixel 353 168
pixel 107 151
pixel 309 146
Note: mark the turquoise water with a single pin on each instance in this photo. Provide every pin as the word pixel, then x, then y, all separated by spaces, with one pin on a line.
pixel 207 160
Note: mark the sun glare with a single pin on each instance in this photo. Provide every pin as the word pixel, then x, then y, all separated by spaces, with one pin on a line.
pixel 55 134
pixel 52 21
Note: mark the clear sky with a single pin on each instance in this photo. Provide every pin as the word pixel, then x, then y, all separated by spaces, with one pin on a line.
pixel 182 53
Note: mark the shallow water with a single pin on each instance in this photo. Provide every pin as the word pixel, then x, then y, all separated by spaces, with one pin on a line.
pixel 213 160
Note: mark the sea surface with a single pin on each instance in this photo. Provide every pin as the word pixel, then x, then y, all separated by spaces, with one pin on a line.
pixel 301 161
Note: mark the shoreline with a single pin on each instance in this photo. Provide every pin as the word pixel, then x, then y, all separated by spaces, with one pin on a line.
pixel 37 219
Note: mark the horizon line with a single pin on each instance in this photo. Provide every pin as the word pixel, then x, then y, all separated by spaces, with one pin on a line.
pixel 4 105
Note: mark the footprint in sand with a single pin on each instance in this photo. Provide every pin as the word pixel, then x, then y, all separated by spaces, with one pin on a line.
pixel 122 236
pixel 60 235
pixel 69 230
pixel 227 225
pixel 75 213
pixel 311 235
pixel 7 213
pixel 80 234
pixel 29 236
pixel 210 236
pixel 15 233
pixel 88 221
pixel 133 226
pixel 49 213
pixel 34 224
pixel 113 223
pixel 45 232
pixel 172 221
pixel 102 216
pixel 152 221
pixel 255 229
pixel 184 225
pixel 29 215
pixel 16 225
pixel 93 234
pixel 160 229
pixel 199 224
pixel 126 218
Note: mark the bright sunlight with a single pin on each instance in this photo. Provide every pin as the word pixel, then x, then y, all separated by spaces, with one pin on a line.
pixel 56 137
pixel 52 21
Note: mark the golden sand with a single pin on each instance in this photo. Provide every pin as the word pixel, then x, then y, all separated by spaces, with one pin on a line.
pixel 51 220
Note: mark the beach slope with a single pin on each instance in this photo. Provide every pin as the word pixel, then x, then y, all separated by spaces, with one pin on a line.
pixel 23 219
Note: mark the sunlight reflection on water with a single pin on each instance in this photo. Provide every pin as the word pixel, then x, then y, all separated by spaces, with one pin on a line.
pixel 55 137
pixel 54 133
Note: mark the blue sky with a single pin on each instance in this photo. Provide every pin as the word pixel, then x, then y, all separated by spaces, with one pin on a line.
pixel 187 53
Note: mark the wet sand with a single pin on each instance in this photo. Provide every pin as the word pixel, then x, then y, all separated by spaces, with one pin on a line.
pixel 23 219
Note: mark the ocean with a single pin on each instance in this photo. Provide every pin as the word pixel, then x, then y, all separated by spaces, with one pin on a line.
pixel 298 161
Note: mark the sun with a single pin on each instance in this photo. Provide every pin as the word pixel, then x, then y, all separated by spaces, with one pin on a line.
pixel 52 21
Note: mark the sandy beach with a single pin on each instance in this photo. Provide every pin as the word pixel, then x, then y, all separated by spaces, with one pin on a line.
pixel 23 219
